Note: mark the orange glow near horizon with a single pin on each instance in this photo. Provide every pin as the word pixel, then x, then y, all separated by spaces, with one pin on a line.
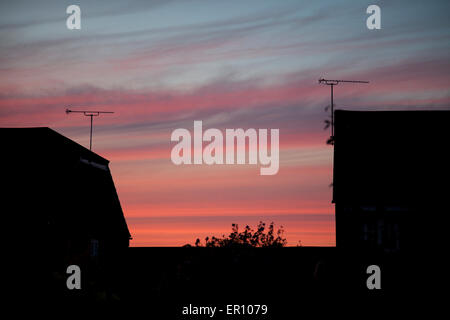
pixel 174 205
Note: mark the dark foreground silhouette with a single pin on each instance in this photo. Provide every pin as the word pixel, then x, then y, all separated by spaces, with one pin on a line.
pixel 391 188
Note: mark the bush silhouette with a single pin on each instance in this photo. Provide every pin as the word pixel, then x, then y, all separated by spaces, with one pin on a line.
pixel 248 238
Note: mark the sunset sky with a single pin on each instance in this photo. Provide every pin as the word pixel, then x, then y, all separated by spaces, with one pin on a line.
pixel 160 65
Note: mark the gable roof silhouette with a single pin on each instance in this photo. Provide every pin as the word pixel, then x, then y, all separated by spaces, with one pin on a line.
pixel 58 188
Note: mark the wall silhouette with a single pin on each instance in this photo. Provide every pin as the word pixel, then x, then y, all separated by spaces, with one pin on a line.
pixel 391 178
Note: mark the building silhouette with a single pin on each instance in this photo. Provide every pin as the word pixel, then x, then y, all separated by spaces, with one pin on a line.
pixel 64 208
pixel 391 178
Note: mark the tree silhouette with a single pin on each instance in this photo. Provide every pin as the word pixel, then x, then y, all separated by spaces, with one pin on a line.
pixel 328 123
pixel 248 238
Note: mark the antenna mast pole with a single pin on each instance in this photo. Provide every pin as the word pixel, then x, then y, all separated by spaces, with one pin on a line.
pixel 333 83
pixel 91 114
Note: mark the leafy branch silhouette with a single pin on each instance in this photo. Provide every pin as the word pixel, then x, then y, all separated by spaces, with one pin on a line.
pixel 263 237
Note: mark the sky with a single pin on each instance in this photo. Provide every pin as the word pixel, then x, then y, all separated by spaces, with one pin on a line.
pixel 161 65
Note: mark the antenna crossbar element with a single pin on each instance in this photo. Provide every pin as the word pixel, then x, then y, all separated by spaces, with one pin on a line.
pixel 91 114
pixel 333 83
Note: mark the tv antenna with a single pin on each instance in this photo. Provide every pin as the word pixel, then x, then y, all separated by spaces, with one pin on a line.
pixel 333 83
pixel 91 114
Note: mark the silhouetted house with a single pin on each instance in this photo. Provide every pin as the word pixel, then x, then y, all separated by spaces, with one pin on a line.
pixel 62 198
pixel 391 178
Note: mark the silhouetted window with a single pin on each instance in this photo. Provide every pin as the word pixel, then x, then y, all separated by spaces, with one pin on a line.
pixel 94 248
